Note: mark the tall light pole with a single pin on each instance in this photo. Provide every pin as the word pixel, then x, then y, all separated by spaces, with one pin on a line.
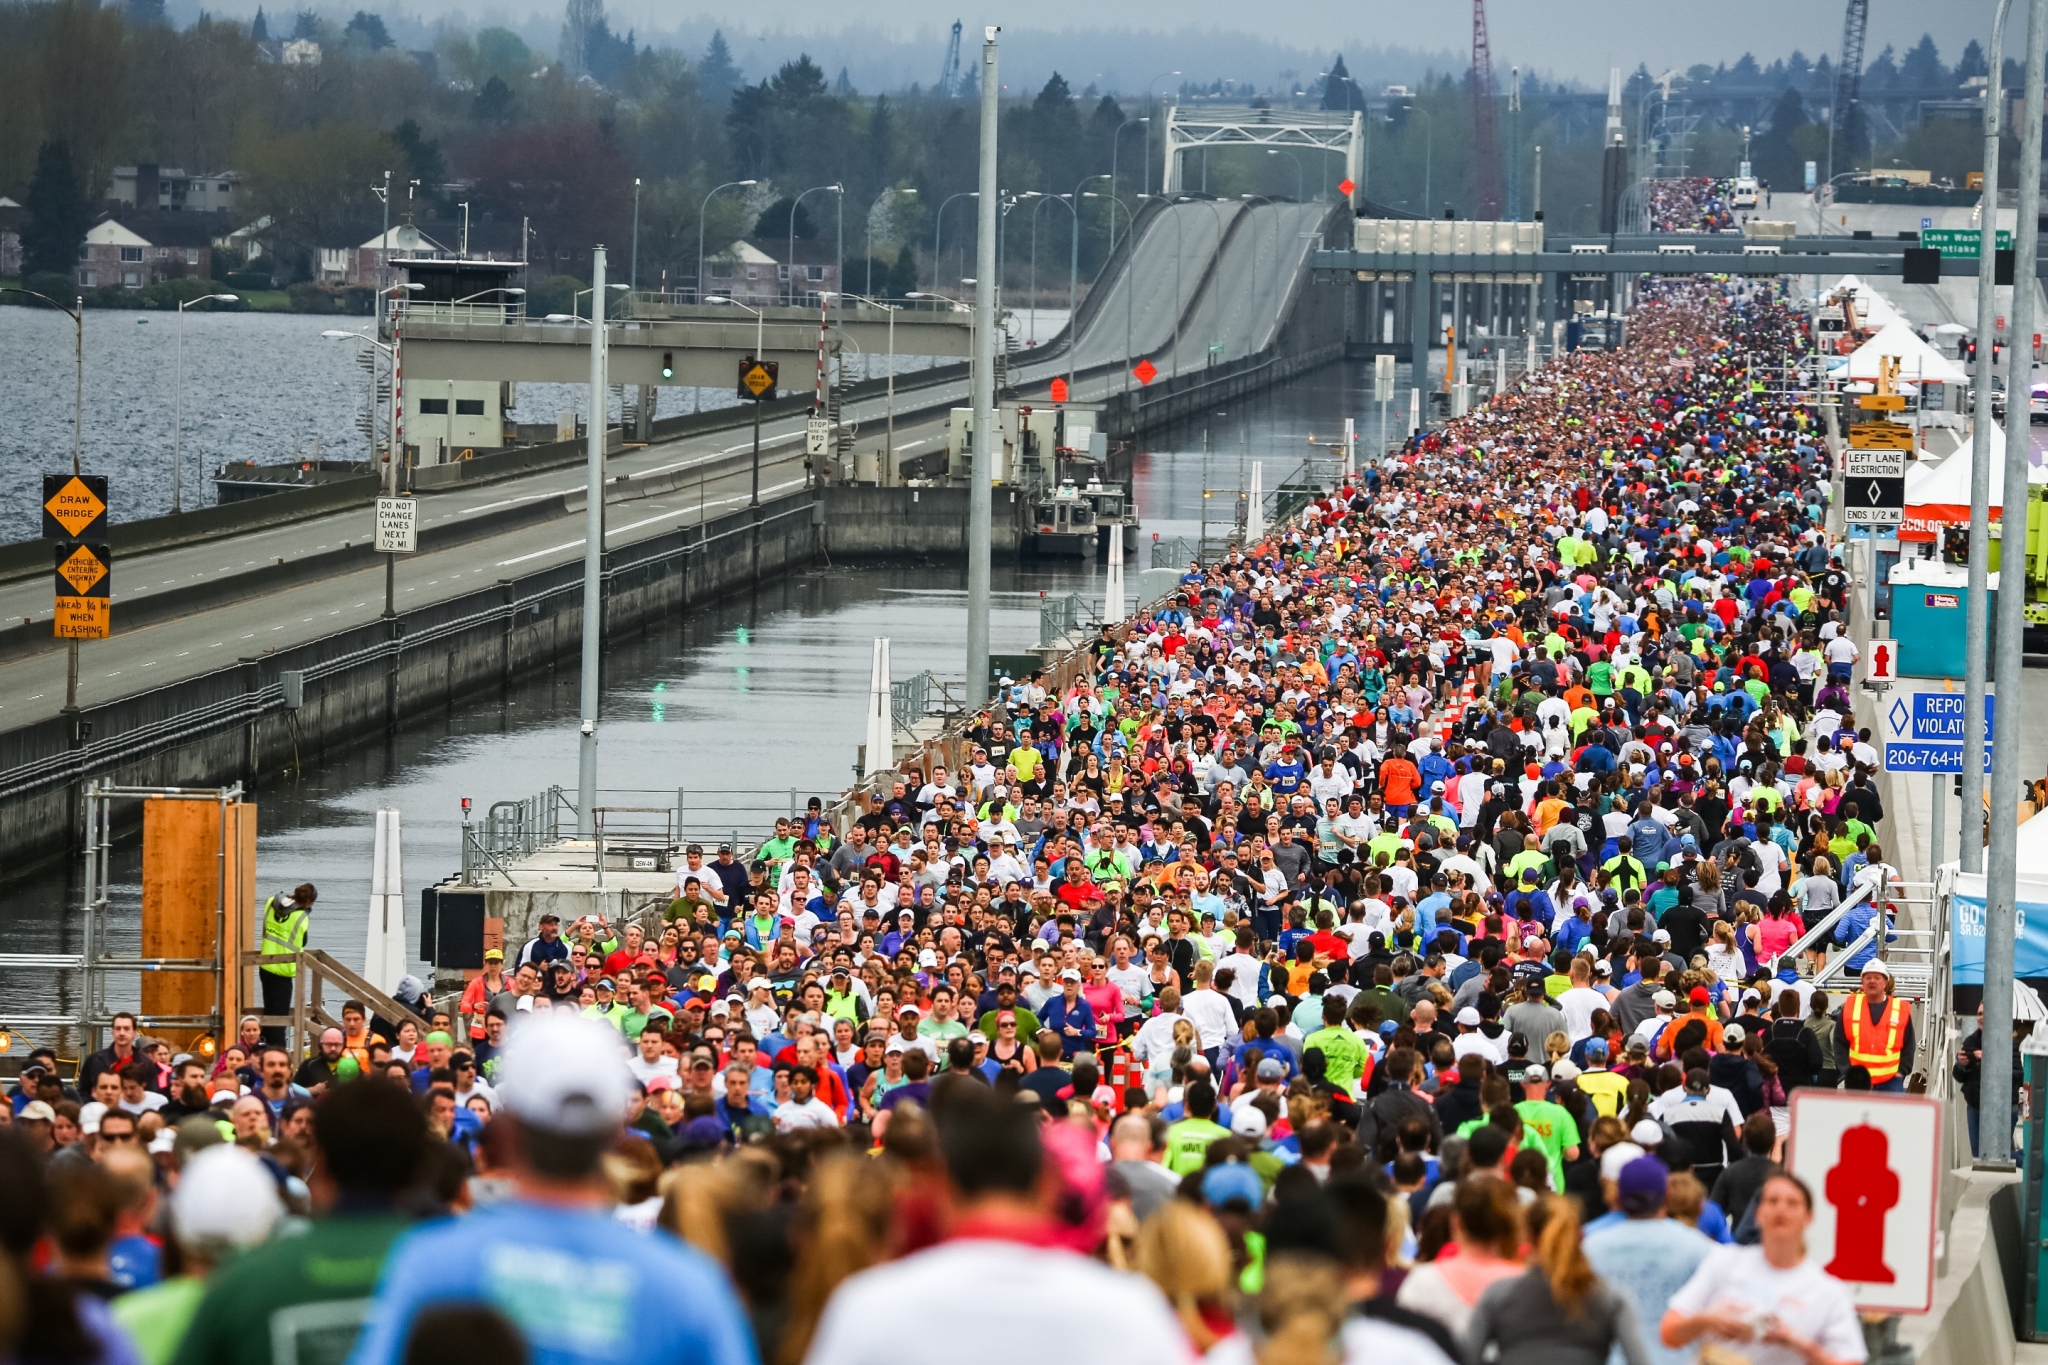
pixel 593 555
pixel 464 252
pixel 980 509
pixel 1116 142
pixel 2001 899
pixel 1073 257
pixel 755 500
pixel 77 315
pixel 794 205
pixel 889 402
pixel 1130 288
pixel 938 223
pixel 178 402
pixel 633 268
pixel 1978 620
pixel 1217 214
pixel 1147 158
pixel 868 237
pixel 1276 151
pixel 702 209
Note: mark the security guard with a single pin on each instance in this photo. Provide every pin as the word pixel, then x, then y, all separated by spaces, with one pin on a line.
pixel 285 921
pixel 1877 1030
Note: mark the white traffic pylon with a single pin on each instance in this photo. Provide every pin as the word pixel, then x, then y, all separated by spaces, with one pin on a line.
pixel 881 732
pixel 384 955
pixel 1113 582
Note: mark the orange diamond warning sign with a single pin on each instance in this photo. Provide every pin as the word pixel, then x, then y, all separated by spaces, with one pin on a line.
pixel 82 570
pixel 74 505
pixel 1145 371
pixel 757 378
pixel 84 585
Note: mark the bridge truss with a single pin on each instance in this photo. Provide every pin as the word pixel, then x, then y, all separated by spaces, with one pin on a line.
pixel 1314 130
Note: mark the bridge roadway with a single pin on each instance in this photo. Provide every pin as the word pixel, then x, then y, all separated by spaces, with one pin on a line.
pixel 650 491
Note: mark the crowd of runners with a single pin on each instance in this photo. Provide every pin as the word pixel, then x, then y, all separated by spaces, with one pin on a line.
pixel 1691 204
pixel 1382 950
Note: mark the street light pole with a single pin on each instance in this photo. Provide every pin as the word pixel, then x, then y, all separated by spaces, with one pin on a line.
pixel 77 316
pixel 593 556
pixel 728 301
pixel 794 205
pixel 980 508
pixel 178 403
pixel 632 270
pixel 1115 143
pixel 2001 900
pixel 702 209
pixel 1278 151
pixel 938 224
pixel 1978 619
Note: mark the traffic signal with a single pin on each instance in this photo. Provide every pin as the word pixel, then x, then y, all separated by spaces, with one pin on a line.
pixel 668 365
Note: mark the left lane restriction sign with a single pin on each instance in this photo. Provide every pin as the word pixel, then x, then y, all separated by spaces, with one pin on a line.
pixel 84 584
pixel 74 506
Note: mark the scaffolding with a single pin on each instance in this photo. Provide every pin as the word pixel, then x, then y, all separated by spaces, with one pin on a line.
pixel 94 961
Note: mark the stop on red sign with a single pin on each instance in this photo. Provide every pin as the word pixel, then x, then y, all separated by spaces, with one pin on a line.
pixel 1870 1160
pixel 1059 390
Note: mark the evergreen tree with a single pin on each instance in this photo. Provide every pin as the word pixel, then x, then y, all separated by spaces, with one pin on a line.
pixel 1971 64
pixel 306 26
pixel 259 29
pixel 1921 67
pixel 1776 160
pixel 843 87
pixel 717 75
pixel 57 214
pixel 422 155
pixel 494 103
pixel 368 29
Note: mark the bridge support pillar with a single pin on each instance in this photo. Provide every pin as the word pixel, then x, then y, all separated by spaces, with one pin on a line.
pixel 1421 327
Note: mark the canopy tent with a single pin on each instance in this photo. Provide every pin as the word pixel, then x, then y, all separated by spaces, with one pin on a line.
pixel 1966 910
pixel 1938 495
pixel 1872 308
pixel 1918 361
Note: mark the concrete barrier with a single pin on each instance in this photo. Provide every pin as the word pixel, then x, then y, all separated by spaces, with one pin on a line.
pixel 1972 1319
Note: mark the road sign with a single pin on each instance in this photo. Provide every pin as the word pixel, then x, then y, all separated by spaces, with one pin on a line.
pixel 1964 243
pixel 1884 662
pixel 1881 436
pixel 1345 186
pixel 74 506
pixel 398 526
pixel 1926 223
pixel 1880 402
pixel 1879 463
pixel 1873 502
pixel 1145 371
pixel 817 435
pixel 757 379
pixel 1923 731
pixel 1059 389
pixel 1383 379
pixel 1871 1161
pixel 84 584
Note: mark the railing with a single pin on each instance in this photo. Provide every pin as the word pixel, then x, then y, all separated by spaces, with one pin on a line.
pixel 923 696
pixel 465 314
pixel 311 1010
pixel 1059 617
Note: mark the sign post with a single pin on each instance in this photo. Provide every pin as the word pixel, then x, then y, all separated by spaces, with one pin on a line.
pixel 757 386
pixel 75 519
pixel 1870 1160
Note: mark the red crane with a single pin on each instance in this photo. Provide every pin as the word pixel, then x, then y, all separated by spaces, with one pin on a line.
pixel 1487 189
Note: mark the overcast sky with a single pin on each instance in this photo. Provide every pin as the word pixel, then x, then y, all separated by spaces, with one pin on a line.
pixel 1570 38
pixel 1122 43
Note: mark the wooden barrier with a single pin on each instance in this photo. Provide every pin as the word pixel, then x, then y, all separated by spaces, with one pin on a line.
pixel 198 875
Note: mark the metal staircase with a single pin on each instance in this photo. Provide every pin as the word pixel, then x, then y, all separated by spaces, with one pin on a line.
pixel 1912 954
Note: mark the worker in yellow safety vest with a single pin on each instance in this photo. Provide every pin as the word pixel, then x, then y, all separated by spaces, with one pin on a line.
pixel 285 921
pixel 1877 1030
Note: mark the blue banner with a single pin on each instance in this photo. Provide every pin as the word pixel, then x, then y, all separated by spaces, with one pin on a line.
pixel 1966 940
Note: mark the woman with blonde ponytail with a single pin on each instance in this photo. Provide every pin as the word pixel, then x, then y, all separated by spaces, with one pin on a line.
pixel 1557 1312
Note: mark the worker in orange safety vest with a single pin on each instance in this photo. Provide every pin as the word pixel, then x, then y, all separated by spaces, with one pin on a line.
pixel 1876 1030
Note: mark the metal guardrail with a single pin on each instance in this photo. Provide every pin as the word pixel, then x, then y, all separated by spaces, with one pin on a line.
pixel 923 696
pixel 1059 617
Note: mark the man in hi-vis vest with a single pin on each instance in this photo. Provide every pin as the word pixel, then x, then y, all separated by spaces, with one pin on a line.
pixel 1877 1030
pixel 283 937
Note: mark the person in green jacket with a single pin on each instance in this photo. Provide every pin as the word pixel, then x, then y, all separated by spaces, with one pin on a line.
pixel 311 1290
pixel 1189 1140
pixel 1344 1057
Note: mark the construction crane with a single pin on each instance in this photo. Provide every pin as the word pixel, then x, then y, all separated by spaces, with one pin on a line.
pixel 1845 118
pixel 949 71
pixel 1486 174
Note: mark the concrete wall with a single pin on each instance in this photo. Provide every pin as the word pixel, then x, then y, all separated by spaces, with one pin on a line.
pixel 231 725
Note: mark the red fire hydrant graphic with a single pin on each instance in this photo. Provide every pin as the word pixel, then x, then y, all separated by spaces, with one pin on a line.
pixel 1863 1188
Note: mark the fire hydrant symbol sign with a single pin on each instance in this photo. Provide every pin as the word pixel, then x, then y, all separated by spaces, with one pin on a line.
pixel 1870 1160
